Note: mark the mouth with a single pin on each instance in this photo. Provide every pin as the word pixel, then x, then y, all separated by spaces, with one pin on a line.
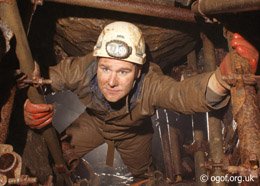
pixel 112 91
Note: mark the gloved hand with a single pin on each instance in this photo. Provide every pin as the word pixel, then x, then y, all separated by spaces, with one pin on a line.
pixel 245 50
pixel 20 77
pixel 37 116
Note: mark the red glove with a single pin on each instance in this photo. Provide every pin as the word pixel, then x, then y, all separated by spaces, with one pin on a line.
pixel 37 116
pixel 245 50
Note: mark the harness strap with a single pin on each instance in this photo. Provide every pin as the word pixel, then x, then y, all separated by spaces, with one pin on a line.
pixel 110 153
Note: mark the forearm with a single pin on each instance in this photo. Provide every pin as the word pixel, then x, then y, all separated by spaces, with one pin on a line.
pixel 213 98
pixel 215 86
pixel 188 96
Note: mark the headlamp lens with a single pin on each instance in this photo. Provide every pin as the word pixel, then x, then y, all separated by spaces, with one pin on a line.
pixel 118 49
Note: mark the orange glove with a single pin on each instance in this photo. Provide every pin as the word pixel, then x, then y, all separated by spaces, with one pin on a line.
pixel 37 116
pixel 245 50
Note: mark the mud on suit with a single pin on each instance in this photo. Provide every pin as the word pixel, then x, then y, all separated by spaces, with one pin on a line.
pixel 128 129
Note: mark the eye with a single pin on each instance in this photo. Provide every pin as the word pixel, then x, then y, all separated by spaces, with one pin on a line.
pixel 105 69
pixel 122 72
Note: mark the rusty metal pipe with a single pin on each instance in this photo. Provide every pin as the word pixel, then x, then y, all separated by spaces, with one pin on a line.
pixel 225 6
pixel 215 144
pixel 175 152
pixel 164 134
pixel 23 180
pixel 9 13
pixel 8 164
pixel 214 123
pixel 234 160
pixel 136 7
pixel 165 142
pixel 198 135
pixel 6 109
pixel 209 53
pixel 245 109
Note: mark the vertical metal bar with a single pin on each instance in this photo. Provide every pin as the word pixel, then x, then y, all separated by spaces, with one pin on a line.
pixel 10 15
pixel 175 152
pixel 7 105
pixel 214 123
pixel 174 149
pixel 215 143
pixel 245 109
pixel 164 135
pixel 28 15
pixel 166 152
pixel 234 160
pixel 198 120
pixel 198 135
pixel 209 53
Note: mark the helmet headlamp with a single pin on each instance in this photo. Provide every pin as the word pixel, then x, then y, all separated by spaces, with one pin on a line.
pixel 118 49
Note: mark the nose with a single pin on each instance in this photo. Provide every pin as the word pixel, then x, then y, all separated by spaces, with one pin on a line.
pixel 112 82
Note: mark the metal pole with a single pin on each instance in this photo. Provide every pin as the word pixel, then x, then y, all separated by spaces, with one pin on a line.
pixel 198 135
pixel 225 6
pixel 214 123
pixel 175 153
pixel 136 7
pixel 9 13
pixel 215 144
pixel 209 53
pixel 198 120
pixel 245 109
pixel 164 135
pixel 166 151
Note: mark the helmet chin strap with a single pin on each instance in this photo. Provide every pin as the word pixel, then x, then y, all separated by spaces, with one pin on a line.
pixel 134 83
pixel 127 99
pixel 136 76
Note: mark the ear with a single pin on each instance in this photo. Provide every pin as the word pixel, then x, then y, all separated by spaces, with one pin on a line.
pixel 138 71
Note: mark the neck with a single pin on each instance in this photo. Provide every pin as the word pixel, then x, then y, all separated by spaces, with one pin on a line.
pixel 119 104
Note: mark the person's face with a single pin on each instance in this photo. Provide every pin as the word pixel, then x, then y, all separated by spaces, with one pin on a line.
pixel 116 78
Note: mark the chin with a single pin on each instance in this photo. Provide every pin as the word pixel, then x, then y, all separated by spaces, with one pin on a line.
pixel 112 100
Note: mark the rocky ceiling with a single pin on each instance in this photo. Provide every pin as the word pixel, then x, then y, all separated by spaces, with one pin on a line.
pixel 66 30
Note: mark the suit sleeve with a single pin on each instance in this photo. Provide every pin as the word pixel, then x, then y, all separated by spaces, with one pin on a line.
pixel 187 97
pixel 71 73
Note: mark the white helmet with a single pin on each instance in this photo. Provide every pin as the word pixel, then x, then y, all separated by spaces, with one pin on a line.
pixel 121 40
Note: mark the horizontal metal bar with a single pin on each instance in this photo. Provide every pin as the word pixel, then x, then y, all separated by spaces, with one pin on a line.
pixel 225 6
pixel 135 7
